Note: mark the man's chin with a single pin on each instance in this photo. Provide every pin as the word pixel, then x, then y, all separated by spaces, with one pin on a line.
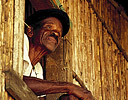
pixel 50 48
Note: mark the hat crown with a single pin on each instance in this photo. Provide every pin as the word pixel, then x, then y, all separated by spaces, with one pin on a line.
pixel 43 14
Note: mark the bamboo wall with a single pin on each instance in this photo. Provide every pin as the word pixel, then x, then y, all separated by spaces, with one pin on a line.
pixel 91 51
pixel 11 40
pixel 89 48
pixel 6 40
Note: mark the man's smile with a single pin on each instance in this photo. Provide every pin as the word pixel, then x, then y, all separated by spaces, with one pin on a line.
pixel 54 36
pixel 53 39
pixel 50 37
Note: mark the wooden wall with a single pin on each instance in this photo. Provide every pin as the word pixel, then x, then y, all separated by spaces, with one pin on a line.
pixel 6 40
pixel 92 47
pixel 11 40
pixel 95 47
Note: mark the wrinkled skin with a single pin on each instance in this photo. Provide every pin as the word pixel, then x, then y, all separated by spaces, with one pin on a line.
pixel 40 87
pixel 42 40
pixel 49 34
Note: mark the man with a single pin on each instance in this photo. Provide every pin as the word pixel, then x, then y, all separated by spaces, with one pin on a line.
pixel 46 27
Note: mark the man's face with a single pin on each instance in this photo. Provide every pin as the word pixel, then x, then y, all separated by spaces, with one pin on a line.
pixel 49 34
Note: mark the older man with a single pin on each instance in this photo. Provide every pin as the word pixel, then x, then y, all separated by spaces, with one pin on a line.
pixel 46 27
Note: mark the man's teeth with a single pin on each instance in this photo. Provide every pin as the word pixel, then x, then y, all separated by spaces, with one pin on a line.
pixel 45 33
pixel 56 34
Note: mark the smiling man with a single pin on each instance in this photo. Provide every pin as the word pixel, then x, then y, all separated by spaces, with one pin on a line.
pixel 46 27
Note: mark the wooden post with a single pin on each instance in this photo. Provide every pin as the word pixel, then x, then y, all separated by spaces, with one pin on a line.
pixel 11 51
pixel 6 43
pixel 17 87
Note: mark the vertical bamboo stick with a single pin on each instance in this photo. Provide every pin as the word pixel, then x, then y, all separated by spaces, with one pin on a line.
pixel 126 63
pixel 18 36
pixel 93 50
pixel 82 39
pixel 75 36
pixel 115 62
pixel 99 69
pixel 79 34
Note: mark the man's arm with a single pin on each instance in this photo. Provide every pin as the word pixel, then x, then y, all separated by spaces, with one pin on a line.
pixel 39 87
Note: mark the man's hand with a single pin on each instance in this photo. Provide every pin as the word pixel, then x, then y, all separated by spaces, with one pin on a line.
pixel 81 93
pixel 72 97
pixel 68 97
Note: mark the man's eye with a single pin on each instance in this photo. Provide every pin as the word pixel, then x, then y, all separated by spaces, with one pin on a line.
pixel 48 27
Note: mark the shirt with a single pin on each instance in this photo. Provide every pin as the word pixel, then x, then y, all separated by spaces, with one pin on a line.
pixel 28 69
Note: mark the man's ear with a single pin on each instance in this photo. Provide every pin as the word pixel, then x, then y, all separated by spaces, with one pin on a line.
pixel 30 31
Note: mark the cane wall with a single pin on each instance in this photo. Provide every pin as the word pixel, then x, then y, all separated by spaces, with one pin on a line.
pixel 11 41
pixel 89 48
pixel 6 38
pixel 92 50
